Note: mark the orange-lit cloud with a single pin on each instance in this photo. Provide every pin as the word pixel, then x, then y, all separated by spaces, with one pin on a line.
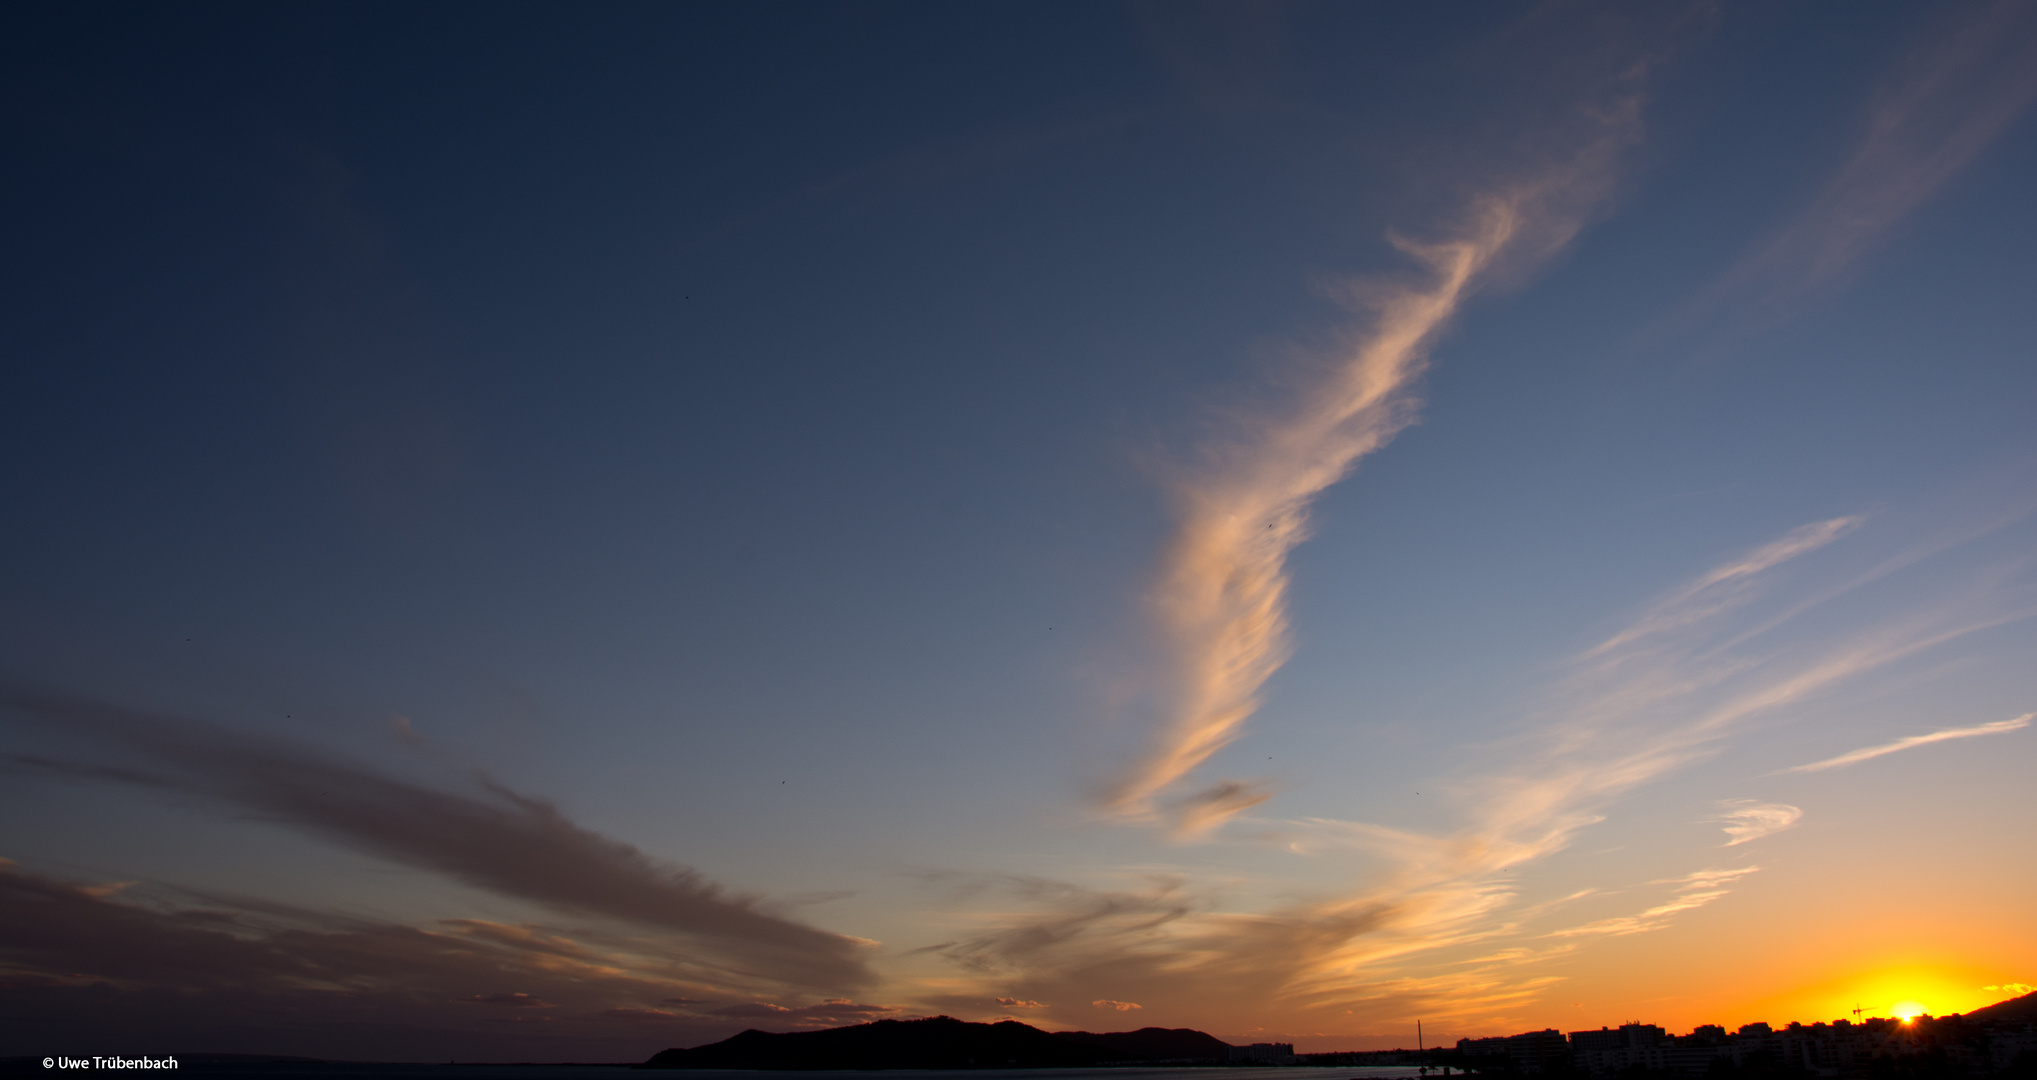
pixel 1869 753
pixel 1692 891
pixel 1442 927
pixel 1746 821
pixel 1221 595
pixel 1652 697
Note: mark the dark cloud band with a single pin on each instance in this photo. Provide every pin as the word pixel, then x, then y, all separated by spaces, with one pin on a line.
pixel 500 840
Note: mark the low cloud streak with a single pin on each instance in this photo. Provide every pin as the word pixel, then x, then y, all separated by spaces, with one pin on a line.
pixel 1908 742
pixel 75 964
pixel 508 843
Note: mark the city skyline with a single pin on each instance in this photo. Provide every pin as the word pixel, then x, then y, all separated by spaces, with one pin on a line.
pixel 552 534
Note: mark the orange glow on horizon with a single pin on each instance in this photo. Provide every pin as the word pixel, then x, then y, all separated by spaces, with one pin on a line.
pixel 1904 989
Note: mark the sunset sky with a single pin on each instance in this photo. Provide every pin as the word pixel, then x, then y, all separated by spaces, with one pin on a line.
pixel 554 532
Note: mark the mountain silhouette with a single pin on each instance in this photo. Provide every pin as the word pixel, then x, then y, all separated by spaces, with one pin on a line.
pixel 940 1042
pixel 1155 1043
pixel 2016 1010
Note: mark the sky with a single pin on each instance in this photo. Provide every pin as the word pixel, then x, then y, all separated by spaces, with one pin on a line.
pixel 551 533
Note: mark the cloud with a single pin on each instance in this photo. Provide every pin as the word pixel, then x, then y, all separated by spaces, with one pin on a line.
pixel 1855 757
pixel 1692 891
pixel 753 1008
pixel 1725 586
pixel 404 731
pixel 1220 599
pixel 826 1013
pixel 514 1001
pixel 1691 669
pixel 1934 116
pixel 1062 917
pixel 655 1016
pixel 75 964
pixel 154 966
pixel 1205 810
pixel 501 840
pixel 1170 949
pixel 1017 1003
pixel 1747 820
pixel 1120 1006
pixel 1647 701
pixel 2014 989
pixel 1446 924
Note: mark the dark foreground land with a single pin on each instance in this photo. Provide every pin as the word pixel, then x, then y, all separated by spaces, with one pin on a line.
pixel 1999 1041
pixel 943 1042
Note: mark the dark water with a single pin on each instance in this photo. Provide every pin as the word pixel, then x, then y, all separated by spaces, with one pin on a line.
pixel 338 1070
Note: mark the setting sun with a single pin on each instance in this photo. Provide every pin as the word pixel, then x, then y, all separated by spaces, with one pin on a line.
pixel 1906 1011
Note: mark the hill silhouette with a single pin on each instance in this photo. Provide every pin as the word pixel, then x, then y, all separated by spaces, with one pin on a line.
pixel 940 1042
pixel 1155 1043
pixel 2016 1010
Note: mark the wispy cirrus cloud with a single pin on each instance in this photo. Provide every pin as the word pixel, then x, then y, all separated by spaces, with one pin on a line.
pixel 498 839
pixel 1746 820
pixel 1935 114
pixel 1220 599
pixel 1692 891
pixel 1655 696
pixel 1725 586
pixel 1908 742
pixel 1658 694
pixel 1445 926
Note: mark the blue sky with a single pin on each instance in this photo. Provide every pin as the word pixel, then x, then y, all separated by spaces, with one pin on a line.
pixel 765 500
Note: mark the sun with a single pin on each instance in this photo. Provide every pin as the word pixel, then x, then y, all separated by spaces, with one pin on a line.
pixel 1907 1011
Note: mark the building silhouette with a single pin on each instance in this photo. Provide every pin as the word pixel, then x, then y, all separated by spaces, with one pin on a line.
pixel 1922 1046
pixel 1261 1054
